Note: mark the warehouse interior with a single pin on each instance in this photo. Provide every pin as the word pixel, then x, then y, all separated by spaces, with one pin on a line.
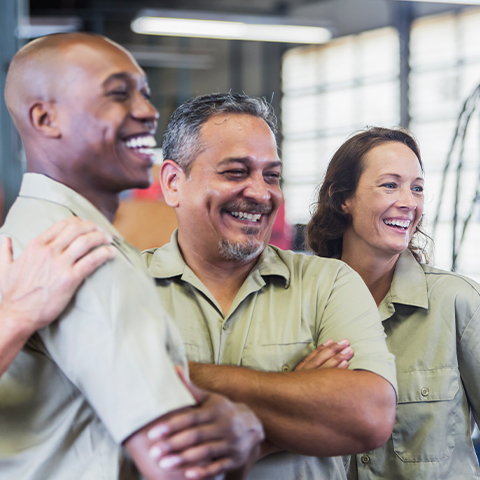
pixel 388 62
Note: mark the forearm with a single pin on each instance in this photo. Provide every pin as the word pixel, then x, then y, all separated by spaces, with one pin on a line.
pixel 13 335
pixel 317 412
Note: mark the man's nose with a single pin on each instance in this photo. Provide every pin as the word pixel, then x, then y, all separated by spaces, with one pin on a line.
pixel 143 110
pixel 257 189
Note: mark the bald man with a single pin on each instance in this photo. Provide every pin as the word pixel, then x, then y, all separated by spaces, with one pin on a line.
pixel 104 376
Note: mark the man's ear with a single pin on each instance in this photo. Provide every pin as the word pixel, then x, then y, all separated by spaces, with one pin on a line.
pixel 170 175
pixel 43 118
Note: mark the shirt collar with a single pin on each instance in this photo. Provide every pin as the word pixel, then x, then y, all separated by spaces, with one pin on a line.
pixel 409 286
pixel 39 186
pixel 168 262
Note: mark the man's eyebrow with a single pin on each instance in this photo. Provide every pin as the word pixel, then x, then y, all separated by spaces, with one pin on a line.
pixel 247 161
pixel 121 76
pixel 116 76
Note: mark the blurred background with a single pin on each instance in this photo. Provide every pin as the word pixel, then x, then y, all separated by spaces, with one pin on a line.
pixel 366 62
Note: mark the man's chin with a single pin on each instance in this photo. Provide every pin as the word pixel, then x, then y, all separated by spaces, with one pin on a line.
pixel 240 251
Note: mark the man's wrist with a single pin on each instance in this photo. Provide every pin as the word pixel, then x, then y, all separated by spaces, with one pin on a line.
pixel 14 324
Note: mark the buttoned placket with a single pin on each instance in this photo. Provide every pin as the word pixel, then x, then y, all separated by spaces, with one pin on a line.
pixel 231 334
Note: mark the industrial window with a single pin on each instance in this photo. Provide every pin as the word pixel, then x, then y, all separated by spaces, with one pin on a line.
pixel 328 92
pixel 445 70
pixel 352 82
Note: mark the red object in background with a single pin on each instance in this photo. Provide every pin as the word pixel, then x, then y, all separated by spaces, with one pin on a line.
pixel 153 192
pixel 282 232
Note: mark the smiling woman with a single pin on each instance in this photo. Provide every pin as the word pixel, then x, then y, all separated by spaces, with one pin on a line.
pixel 369 214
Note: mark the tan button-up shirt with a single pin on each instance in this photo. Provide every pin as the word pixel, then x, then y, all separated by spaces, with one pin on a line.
pixel 86 382
pixel 288 305
pixel 432 321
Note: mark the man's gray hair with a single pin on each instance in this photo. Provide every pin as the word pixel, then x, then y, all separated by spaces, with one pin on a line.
pixel 181 141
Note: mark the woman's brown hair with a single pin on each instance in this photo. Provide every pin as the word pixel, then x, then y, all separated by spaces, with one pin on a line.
pixel 325 230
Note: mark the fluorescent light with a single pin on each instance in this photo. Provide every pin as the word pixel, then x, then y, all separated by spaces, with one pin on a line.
pixel 456 2
pixel 228 27
pixel 165 57
pixel 40 26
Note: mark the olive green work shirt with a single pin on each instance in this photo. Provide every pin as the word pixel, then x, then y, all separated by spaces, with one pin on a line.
pixel 85 383
pixel 288 305
pixel 432 321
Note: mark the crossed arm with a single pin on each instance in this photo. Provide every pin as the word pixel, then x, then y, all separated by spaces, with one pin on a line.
pixel 214 437
pixel 312 411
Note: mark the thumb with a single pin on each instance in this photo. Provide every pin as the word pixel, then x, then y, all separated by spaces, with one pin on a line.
pixel 6 254
pixel 198 394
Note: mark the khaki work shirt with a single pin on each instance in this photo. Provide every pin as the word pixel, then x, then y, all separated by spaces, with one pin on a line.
pixel 88 381
pixel 288 305
pixel 432 321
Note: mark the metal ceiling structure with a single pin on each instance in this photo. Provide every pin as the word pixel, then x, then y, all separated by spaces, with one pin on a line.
pixel 179 68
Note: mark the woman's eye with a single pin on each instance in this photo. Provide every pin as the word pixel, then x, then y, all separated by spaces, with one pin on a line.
pixel 389 185
pixel 147 95
pixel 418 189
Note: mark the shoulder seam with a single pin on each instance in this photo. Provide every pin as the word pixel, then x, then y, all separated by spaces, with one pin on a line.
pixel 455 275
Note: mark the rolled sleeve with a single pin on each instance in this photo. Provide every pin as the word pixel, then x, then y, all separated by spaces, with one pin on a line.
pixel 350 312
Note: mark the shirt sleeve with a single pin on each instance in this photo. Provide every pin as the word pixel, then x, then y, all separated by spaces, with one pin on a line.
pixel 112 344
pixel 350 312
pixel 468 325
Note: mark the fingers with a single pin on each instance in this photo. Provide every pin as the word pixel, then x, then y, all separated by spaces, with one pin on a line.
pixel 211 470
pixel 197 393
pixel 186 420
pixel 90 262
pixel 191 456
pixel 213 434
pixel 328 355
pixel 6 254
pixel 62 233
pixel 84 243
pixel 75 233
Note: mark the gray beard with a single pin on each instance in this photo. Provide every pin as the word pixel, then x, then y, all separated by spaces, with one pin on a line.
pixel 239 252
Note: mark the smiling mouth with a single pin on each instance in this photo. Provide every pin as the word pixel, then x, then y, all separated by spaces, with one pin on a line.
pixel 142 144
pixel 251 217
pixel 400 224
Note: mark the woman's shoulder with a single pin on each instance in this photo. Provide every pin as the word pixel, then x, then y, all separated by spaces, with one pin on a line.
pixel 443 285
pixel 435 274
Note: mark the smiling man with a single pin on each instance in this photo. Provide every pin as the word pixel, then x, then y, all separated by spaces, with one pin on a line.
pixel 249 313
pixel 105 374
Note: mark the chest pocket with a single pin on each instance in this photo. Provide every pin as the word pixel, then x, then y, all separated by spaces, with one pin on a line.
pixel 276 357
pixel 425 419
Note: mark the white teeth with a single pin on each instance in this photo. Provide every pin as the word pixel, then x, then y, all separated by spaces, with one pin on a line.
pixel 398 223
pixel 253 217
pixel 144 141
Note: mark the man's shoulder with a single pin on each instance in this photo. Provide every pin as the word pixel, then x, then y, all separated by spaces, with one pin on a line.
pixel 305 264
pixel 29 217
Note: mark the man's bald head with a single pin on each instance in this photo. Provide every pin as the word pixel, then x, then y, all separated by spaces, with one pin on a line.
pixel 38 70
pixel 81 105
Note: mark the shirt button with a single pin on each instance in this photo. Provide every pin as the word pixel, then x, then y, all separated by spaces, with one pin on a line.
pixel 424 391
pixel 285 368
pixel 365 459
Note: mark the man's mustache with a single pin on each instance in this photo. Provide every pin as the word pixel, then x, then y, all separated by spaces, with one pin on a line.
pixel 250 207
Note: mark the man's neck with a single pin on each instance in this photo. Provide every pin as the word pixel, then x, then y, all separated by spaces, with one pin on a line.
pixel 222 278
pixel 106 202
